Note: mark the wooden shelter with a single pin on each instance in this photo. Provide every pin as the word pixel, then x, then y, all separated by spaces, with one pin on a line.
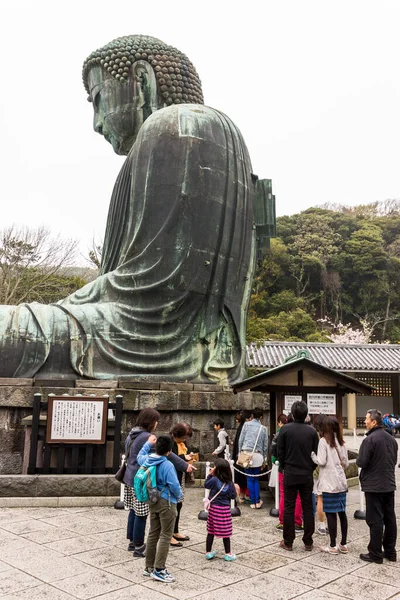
pixel 300 378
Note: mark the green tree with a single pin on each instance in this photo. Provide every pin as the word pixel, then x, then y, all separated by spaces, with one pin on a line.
pixel 333 262
pixel 295 326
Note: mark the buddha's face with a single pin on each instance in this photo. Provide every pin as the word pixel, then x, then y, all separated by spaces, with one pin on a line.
pixel 115 108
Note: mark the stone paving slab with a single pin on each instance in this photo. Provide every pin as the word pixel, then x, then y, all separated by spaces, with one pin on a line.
pixel 264 561
pixel 114 537
pixel 268 586
pixel 49 553
pixel 188 585
pixel 40 592
pixel 357 588
pixel 13 580
pixel 228 593
pixel 75 545
pixel 91 584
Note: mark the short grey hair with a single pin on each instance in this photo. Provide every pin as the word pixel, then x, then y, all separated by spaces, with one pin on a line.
pixel 375 415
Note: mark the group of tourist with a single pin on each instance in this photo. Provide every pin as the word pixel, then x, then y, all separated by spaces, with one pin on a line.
pixel 301 447
pixel 164 519
pixel 312 463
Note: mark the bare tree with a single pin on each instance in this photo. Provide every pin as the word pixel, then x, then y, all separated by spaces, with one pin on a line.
pixel 31 259
pixel 95 253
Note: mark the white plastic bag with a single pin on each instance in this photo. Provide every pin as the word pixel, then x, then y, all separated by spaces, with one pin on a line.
pixel 273 476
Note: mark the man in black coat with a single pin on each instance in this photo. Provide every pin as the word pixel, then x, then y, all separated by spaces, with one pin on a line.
pixel 377 459
pixel 295 443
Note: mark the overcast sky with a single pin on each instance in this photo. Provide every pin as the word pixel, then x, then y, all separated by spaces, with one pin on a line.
pixel 314 86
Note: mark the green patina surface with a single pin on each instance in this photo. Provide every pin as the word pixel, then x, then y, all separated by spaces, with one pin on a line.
pixel 186 223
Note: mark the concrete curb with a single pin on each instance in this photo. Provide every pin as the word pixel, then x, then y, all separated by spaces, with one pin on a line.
pixel 57 502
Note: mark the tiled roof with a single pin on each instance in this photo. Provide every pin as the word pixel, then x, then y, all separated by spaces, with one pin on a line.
pixel 342 357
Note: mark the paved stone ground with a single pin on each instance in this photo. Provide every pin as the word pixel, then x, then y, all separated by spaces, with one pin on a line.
pixel 62 553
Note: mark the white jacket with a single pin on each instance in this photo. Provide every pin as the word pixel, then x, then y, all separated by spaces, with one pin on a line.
pixel 331 475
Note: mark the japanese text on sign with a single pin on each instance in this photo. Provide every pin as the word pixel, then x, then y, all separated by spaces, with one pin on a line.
pixel 321 403
pixel 289 402
pixel 77 420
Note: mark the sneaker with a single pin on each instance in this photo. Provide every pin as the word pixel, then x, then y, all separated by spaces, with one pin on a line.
pixel 140 551
pixel 321 529
pixel 230 557
pixel 131 547
pixel 147 571
pixel 298 529
pixel 342 549
pixel 330 550
pixel 162 575
pixel 279 527
pixel 210 555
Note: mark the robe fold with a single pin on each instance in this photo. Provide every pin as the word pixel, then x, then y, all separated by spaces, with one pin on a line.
pixel 170 303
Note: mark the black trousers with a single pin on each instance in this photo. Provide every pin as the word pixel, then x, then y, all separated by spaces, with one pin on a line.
pixel 381 520
pixel 304 485
pixel 178 510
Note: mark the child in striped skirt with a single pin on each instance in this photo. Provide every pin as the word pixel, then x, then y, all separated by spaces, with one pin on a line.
pixel 219 522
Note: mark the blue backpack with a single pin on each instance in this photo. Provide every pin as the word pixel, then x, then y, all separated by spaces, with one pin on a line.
pixel 145 484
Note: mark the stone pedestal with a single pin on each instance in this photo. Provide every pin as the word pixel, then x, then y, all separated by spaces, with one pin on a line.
pixel 196 404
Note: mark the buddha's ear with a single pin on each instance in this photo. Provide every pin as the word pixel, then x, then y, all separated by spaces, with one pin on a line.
pixel 145 86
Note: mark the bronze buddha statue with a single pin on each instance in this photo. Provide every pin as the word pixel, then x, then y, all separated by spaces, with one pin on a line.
pixel 171 299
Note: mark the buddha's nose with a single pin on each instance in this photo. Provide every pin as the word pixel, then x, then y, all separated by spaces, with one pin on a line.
pixel 98 125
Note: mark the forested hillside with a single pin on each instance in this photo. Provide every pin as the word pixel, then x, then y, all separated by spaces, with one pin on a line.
pixel 331 270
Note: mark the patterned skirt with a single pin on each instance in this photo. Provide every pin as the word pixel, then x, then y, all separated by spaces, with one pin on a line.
pixel 334 503
pixel 219 521
pixel 132 503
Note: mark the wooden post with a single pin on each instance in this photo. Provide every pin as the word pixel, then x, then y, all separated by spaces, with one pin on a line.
pixel 37 399
pixel 395 385
pixel 351 411
pixel 117 431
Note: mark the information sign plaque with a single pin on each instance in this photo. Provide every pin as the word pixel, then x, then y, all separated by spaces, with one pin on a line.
pixel 73 420
pixel 289 401
pixel 321 403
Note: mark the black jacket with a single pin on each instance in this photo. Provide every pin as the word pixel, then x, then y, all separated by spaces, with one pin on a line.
pixel 139 437
pixel 182 457
pixel 377 459
pixel 235 447
pixel 295 443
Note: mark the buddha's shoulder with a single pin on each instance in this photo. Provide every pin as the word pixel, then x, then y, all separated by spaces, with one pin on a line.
pixel 193 120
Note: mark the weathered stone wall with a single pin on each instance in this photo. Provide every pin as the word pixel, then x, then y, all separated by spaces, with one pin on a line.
pixel 193 403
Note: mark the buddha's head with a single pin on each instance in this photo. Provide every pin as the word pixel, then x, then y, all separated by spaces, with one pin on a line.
pixel 130 78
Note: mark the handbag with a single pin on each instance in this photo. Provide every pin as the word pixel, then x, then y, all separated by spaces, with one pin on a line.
pixel 245 458
pixel 207 501
pixel 120 474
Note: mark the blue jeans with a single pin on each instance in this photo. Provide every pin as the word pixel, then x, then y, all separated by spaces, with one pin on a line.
pixel 253 484
pixel 135 528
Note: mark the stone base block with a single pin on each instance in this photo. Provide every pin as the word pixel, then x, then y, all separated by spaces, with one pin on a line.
pixel 195 404
pixel 58 485
pixel 56 502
